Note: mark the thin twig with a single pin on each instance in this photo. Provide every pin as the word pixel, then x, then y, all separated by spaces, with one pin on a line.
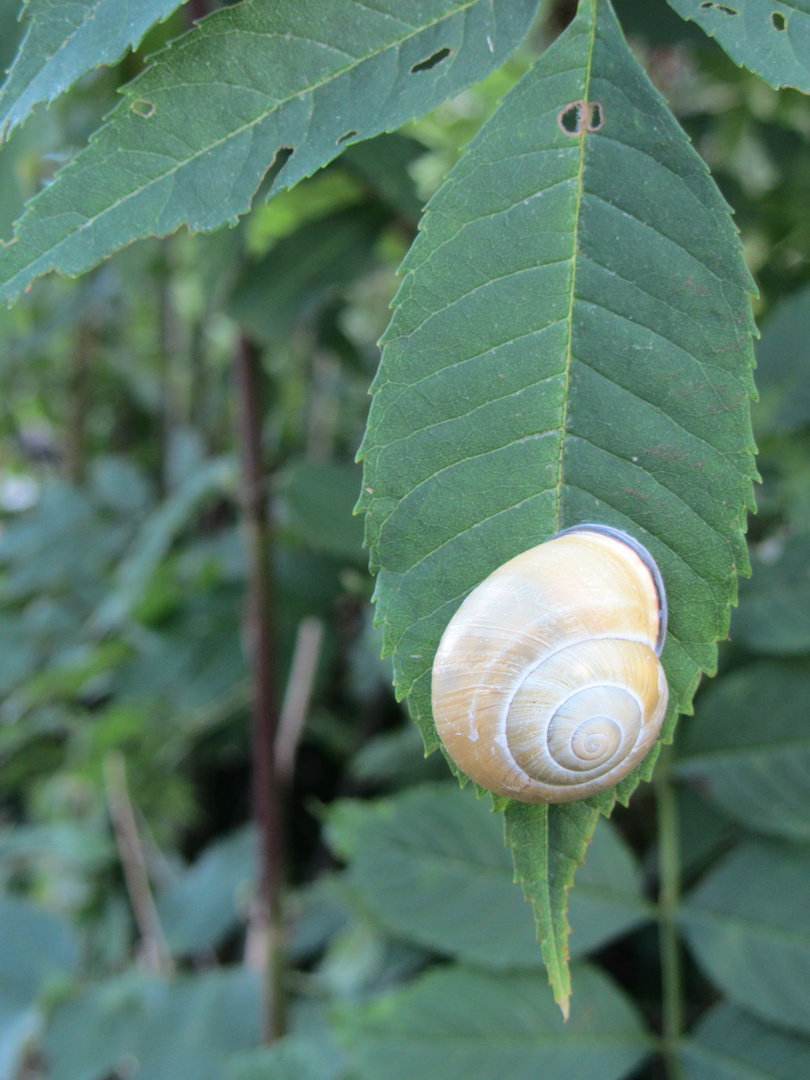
pixel 294 710
pixel 297 695
pixel 154 950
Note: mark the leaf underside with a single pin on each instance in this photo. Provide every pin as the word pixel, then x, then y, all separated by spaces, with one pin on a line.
pixel 261 82
pixel 571 342
pixel 769 37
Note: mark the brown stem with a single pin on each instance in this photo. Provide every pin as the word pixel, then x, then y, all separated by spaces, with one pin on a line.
pixel 154 950
pixel 268 800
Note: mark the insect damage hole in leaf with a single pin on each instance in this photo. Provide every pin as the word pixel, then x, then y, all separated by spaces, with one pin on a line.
pixel 779 21
pixel 724 8
pixel 282 156
pixel 143 108
pixel 432 60
pixel 347 135
pixel 571 118
pixel 596 116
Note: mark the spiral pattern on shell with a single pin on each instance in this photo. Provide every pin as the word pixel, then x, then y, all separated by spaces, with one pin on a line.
pixel 547 686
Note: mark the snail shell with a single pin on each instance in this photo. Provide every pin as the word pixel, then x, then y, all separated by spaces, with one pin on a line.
pixel 547 685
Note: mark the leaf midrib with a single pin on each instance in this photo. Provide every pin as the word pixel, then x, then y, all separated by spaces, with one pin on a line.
pixel 574 253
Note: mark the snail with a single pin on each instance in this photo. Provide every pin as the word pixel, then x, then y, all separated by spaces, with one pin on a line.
pixel 547 683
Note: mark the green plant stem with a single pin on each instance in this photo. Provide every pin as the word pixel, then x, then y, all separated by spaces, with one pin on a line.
pixel 669 891
pixel 268 793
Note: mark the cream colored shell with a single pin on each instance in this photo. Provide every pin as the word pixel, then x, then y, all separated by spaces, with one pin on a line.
pixel 547 685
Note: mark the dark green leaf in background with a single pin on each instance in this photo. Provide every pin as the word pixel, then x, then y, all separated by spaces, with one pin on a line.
pixel 431 865
pixel 783 375
pixel 383 164
pixel 729 1044
pixel 212 897
pixel 748 925
pixel 315 503
pixel 199 129
pixel 276 294
pixel 774 612
pixel 769 37
pixel 289 1058
pixel 64 41
pixel 186 1027
pixel 749 748
pixel 463 1023
pixel 37 949
pixel 571 342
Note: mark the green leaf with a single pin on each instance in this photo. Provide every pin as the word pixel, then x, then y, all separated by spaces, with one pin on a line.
pixel 571 342
pixel 315 503
pixel 65 41
pixel 156 537
pixel 749 748
pixel 431 865
pixel 783 379
pixel 547 844
pixel 290 1058
pixel 608 901
pixel 36 948
pixel 186 1027
pixel 729 1044
pixel 748 924
pixel 11 32
pixel 211 898
pixel 460 1022
pixel 302 271
pixel 198 130
pixel 383 165
pixel 774 612
pixel 769 37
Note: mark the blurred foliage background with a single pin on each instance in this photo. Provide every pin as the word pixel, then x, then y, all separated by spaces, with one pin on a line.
pixel 125 693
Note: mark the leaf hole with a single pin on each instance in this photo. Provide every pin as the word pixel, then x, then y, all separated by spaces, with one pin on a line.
pixel 570 119
pixel 143 108
pixel 723 8
pixel 779 21
pixel 348 135
pixel 596 116
pixel 432 60
pixel 283 155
